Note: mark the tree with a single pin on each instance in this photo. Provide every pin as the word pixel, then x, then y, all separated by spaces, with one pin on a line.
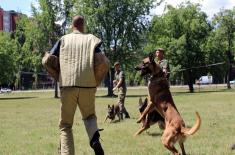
pixel 31 43
pixel 66 13
pixel 46 17
pixel 121 26
pixel 8 55
pixel 181 32
pixel 214 53
pixel 224 23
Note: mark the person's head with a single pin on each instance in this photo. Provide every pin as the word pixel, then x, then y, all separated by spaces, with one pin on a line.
pixel 116 66
pixel 159 53
pixel 78 23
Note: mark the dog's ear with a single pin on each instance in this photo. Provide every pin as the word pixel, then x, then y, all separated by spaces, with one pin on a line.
pixel 140 101
pixel 108 106
pixel 146 100
pixel 151 57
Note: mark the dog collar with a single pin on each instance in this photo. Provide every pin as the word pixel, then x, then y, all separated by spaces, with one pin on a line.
pixel 156 79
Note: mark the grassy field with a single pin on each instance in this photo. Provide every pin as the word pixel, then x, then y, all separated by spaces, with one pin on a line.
pixel 29 124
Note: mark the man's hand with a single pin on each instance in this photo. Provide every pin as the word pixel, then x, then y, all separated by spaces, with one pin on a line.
pixel 165 72
pixel 115 82
pixel 114 88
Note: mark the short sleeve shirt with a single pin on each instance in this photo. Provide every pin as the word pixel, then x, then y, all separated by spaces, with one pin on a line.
pixel 120 75
pixel 165 66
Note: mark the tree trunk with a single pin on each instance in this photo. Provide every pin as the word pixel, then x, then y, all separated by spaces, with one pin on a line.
pixel 18 81
pixel 229 55
pixel 229 76
pixel 110 82
pixel 190 81
pixel 35 83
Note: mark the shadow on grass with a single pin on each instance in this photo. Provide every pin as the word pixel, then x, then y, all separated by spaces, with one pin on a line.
pixel 105 96
pixel 16 98
pixel 113 121
pixel 154 134
pixel 200 92
pixel 174 93
pixel 116 121
pixel 142 95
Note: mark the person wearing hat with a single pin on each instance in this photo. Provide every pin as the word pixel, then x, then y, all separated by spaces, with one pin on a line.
pixel 163 62
pixel 120 85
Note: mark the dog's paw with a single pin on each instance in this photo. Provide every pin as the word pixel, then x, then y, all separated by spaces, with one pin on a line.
pixel 135 135
pixel 232 147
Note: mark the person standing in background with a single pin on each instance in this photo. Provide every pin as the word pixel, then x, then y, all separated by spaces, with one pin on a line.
pixel 120 85
pixel 163 62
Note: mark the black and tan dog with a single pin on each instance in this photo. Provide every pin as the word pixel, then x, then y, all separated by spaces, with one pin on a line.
pixel 151 118
pixel 112 112
pixel 161 99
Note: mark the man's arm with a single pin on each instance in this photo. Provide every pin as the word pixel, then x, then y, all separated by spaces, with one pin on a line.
pixel 119 83
pixel 166 69
pixel 97 48
pixel 122 76
pixel 56 49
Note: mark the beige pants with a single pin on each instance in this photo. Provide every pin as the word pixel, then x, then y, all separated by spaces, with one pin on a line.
pixel 71 97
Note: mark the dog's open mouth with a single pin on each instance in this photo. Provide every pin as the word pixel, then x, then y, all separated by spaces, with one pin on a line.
pixel 143 70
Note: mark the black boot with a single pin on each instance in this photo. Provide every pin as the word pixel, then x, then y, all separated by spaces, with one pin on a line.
pixel 121 115
pixel 96 145
pixel 127 115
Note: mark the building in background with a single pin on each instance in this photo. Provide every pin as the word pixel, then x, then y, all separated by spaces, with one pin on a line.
pixel 8 20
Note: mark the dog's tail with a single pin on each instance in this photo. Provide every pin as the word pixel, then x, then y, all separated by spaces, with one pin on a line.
pixel 192 130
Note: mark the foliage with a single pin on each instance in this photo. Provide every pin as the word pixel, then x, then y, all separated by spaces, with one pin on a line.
pixel 181 32
pixel 224 23
pixel 120 25
pixel 27 35
pixel 8 57
pixel 214 53
pixel 46 17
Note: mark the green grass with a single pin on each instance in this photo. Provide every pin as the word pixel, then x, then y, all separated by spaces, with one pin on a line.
pixel 29 124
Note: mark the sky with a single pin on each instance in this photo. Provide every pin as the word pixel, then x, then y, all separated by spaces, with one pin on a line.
pixel 23 6
pixel 209 6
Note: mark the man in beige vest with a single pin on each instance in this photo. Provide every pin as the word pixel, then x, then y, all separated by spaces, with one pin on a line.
pixel 78 85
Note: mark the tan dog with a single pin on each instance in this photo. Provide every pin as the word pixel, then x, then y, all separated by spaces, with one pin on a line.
pixel 161 99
